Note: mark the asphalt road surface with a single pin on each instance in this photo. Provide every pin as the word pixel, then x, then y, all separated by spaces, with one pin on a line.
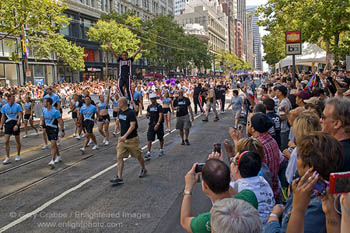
pixel 77 196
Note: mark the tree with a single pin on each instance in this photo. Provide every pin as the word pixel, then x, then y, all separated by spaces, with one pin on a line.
pixel 323 22
pixel 119 36
pixel 232 62
pixel 41 21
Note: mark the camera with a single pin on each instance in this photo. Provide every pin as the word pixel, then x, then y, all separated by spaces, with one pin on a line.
pixel 217 147
pixel 339 182
pixel 199 167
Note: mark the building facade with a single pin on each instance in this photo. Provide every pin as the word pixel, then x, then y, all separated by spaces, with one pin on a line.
pixel 250 42
pixel 242 17
pixel 230 9
pixel 239 39
pixel 210 15
pixel 256 39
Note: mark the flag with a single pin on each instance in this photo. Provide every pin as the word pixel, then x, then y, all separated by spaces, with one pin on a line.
pixel 312 82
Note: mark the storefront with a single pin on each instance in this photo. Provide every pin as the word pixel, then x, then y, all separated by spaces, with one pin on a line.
pixel 9 74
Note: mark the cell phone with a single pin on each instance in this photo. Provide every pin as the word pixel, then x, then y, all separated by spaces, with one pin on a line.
pixel 339 182
pixel 217 147
pixel 199 167
pixel 321 187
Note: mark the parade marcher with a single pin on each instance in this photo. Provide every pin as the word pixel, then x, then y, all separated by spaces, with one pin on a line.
pixel 115 114
pixel 52 117
pixel 197 99
pixel 28 115
pixel 211 104
pixel 11 119
pixel 222 89
pixel 237 104
pixel 155 126
pixel 125 71
pixel 167 104
pixel 74 108
pixel 183 122
pixel 3 102
pixel 103 117
pixel 87 116
pixel 128 143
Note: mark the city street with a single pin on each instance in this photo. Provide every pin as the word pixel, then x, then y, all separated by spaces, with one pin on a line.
pixel 77 196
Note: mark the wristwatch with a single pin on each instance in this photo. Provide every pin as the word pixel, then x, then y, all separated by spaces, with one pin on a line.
pixel 187 192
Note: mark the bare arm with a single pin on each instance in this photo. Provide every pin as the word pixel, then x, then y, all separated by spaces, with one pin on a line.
pixel 137 52
pixel 112 50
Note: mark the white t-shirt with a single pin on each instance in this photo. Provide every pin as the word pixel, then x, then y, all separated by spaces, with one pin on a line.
pixel 262 191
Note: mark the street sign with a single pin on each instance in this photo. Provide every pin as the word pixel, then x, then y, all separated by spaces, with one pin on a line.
pixel 293 49
pixel 293 37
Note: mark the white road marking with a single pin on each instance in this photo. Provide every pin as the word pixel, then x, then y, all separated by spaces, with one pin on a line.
pixel 65 193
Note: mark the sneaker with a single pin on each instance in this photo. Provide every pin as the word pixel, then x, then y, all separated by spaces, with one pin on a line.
pixel 58 159
pixel 114 133
pixel 18 158
pixel 74 135
pixel 205 119
pixel 24 136
pixel 6 161
pixel 183 143
pixel 78 137
pixel 216 119
pixel 187 142
pixel 52 164
pixel 45 146
pixel 89 143
pixel 95 147
pixel 106 143
pixel 83 135
pixel 148 156
pixel 161 152
pixel 143 173
pixel 117 180
pixel 82 149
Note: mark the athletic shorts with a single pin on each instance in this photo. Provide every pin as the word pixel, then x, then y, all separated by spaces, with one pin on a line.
pixel 151 134
pixel 9 128
pixel 52 133
pixel 166 110
pixel 104 118
pixel 183 122
pixel 115 114
pixel 129 147
pixel 74 115
pixel 27 117
pixel 211 106
pixel 88 125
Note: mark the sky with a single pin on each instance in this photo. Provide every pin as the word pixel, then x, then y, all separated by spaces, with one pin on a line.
pixel 262 31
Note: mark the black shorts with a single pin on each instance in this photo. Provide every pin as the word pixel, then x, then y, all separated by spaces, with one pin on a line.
pixel 52 133
pixel 166 110
pixel 9 128
pixel 88 125
pixel 104 118
pixel 151 134
pixel 28 117
pixel 74 115
pixel 115 114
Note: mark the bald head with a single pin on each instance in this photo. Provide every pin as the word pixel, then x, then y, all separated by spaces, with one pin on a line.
pixel 123 102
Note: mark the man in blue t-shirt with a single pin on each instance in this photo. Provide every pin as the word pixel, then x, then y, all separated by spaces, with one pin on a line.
pixel 52 117
pixel 87 116
pixel 11 119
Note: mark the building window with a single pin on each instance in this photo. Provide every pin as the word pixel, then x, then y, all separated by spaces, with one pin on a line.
pixel 93 3
pixel 1 49
pixel 103 5
pixel 39 71
pixel 9 47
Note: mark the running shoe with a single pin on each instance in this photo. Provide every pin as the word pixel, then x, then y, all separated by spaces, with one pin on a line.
pixel 117 180
pixel 106 143
pixel 82 149
pixel 77 137
pixel 52 164
pixel 45 146
pixel 89 143
pixel 95 147
pixel 83 135
pixel 148 156
pixel 187 142
pixel 143 173
pixel 24 136
pixel 161 152
pixel 74 135
pixel 205 119
pixel 183 143
pixel 58 159
pixel 6 161
pixel 17 158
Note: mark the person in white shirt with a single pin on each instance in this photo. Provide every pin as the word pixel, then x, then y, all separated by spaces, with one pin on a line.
pixel 245 167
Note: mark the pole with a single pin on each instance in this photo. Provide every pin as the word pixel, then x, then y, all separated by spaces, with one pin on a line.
pixel 293 69
pixel 229 29
pixel 24 55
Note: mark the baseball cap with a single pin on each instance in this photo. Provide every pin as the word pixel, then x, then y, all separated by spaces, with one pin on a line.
pixel 153 96
pixel 303 94
pixel 261 122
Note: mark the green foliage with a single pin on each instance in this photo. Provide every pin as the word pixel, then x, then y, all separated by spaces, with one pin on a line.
pixel 232 62
pixel 323 22
pixel 42 19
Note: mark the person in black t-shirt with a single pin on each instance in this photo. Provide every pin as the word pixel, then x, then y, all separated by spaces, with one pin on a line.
pixel 128 142
pixel 197 99
pixel 275 130
pixel 222 88
pixel 183 122
pixel 125 71
pixel 155 126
